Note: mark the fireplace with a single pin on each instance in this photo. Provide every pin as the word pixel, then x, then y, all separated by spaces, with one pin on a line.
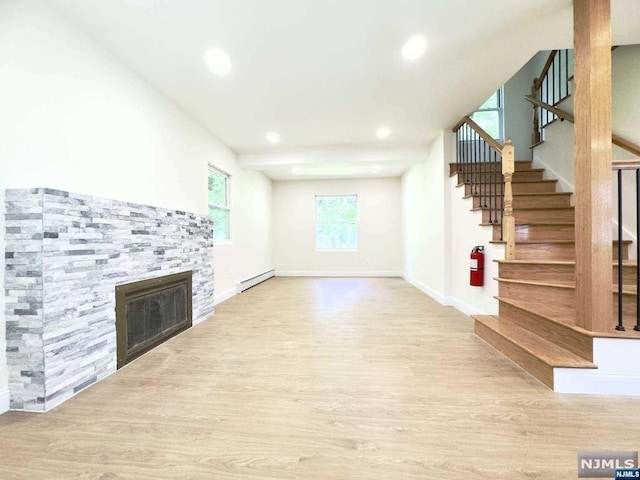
pixel 150 312
pixel 65 254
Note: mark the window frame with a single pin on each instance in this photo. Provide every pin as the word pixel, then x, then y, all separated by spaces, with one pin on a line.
pixel 499 109
pixel 212 169
pixel 355 223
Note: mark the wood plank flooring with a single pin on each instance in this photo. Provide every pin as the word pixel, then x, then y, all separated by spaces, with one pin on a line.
pixel 303 378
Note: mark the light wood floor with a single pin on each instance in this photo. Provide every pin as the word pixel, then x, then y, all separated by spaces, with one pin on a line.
pixel 319 379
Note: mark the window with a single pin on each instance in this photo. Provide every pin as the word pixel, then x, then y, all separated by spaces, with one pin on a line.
pixel 337 222
pixel 490 115
pixel 219 204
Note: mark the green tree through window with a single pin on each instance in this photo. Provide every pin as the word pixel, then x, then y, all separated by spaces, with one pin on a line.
pixel 337 222
pixel 490 115
pixel 218 198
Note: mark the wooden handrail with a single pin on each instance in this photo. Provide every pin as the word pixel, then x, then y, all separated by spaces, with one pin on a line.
pixel 546 68
pixel 615 139
pixel 625 144
pixel 493 143
pixel 625 164
pixel 555 110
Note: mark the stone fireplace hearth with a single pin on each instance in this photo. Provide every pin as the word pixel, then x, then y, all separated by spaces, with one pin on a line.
pixel 65 254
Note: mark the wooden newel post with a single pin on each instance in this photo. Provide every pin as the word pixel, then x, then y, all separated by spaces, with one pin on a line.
pixel 508 220
pixel 535 138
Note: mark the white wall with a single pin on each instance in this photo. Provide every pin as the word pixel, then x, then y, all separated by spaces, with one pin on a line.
pixel 465 233
pixel 423 221
pixel 379 228
pixel 518 114
pixel 439 232
pixel 73 118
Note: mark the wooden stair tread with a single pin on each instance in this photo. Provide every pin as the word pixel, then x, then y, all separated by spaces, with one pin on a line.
pixel 532 194
pixel 544 350
pixel 535 242
pixel 559 242
pixel 626 289
pixel 516 209
pixel 566 285
pixel 517 181
pixel 530 208
pixel 534 224
pixel 625 263
pixel 544 208
pixel 544 223
pixel 559 194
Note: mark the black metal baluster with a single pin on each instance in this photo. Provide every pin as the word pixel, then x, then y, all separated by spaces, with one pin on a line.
pixel 620 326
pixel 485 178
pixel 494 175
pixel 553 82
pixel 501 178
pixel 468 177
pixel 548 119
pixel 463 148
pixel 466 152
pixel 458 150
pixel 566 67
pixel 559 75
pixel 475 160
pixel 490 185
pixel 637 327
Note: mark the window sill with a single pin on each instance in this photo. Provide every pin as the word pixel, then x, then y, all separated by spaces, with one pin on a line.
pixel 336 250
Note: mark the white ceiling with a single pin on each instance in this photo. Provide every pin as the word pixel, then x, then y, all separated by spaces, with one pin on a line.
pixel 325 74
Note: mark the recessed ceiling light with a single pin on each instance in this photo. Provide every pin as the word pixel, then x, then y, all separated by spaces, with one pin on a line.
pixel 414 47
pixel 218 61
pixel 383 132
pixel 297 171
pixel 272 137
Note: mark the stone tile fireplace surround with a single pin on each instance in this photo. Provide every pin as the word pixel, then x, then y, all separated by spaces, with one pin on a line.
pixel 65 253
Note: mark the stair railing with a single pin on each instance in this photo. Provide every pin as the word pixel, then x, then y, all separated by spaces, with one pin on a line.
pixel 552 86
pixel 487 167
pixel 619 167
pixel 562 115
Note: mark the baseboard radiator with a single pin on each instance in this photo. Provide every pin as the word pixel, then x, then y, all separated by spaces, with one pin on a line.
pixel 253 281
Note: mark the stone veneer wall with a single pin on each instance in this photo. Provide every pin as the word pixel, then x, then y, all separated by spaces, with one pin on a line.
pixel 65 253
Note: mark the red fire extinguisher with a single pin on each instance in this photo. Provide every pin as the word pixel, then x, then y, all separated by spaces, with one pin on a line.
pixel 477 266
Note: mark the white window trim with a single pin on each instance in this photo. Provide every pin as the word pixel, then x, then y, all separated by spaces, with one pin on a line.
pixel 500 111
pixel 357 224
pixel 227 207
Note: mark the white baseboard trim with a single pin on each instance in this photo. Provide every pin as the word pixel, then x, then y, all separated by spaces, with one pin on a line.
pixel 437 296
pixel 462 306
pixel 4 400
pixel 618 372
pixel 572 380
pixel 221 297
pixel 306 273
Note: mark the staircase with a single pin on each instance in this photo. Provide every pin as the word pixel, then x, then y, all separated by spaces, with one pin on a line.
pixel 536 325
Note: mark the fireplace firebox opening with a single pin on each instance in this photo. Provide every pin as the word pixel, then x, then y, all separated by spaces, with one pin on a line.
pixel 150 312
